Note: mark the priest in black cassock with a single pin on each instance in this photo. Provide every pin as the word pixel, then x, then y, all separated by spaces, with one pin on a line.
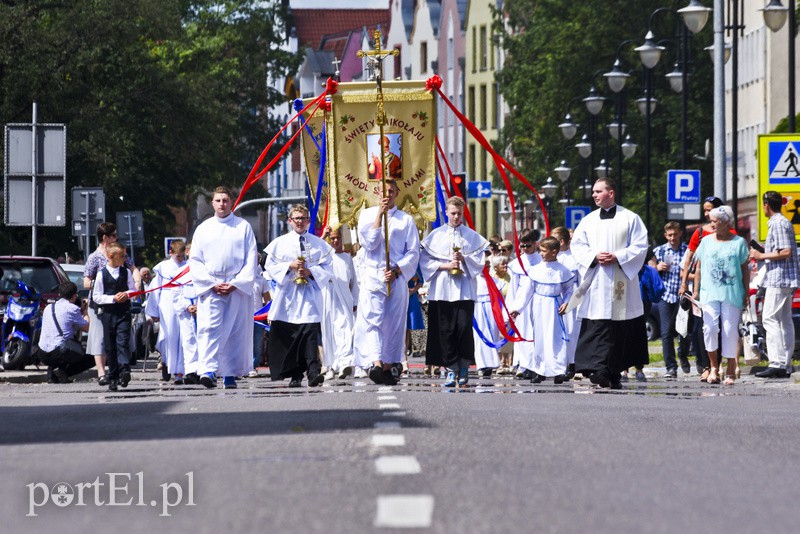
pixel 610 245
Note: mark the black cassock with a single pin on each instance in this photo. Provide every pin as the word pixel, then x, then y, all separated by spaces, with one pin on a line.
pixel 450 332
pixel 611 346
pixel 293 349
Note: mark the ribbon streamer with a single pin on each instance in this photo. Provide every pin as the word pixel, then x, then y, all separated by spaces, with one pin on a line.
pixel 169 285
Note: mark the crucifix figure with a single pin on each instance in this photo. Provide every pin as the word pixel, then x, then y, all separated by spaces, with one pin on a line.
pixel 376 57
pixel 336 62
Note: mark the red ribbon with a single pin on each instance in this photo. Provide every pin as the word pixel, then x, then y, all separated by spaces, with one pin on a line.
pixel 434 82
pixel 331 87
pixel 169 285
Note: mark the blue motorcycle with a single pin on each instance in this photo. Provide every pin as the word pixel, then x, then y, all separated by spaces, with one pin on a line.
pixel 21 325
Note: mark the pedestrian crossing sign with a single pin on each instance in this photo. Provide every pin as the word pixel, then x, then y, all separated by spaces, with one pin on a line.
pixel 779 170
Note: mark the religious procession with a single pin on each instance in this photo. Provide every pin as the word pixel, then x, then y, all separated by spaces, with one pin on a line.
pixel 549 304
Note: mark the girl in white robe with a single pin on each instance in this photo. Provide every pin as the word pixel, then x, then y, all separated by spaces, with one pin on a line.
pixel 164 305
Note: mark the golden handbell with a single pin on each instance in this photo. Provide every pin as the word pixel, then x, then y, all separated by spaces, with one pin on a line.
pixel 455 271
pixel 301 281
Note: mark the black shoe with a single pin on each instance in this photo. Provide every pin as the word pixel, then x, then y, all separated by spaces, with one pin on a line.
pixel 125 379
pixel 61 376
pixel 191 379
pixel 527 374
pixel 316 380
pixel 615 384
pixel 102 381
pixel 165 377
pixel 671 374
pixel 559 379
pixel 296 382
pixel 486 373
pixel 536 378
pixel 570 374
pixel 600 378
pixel 685 367
pixel 376 374
pixel 112 385
pixel 388 377
pixel 772 372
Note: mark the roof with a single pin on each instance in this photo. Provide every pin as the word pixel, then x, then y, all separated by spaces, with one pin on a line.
pixel 312 24
pixel 320 61
pixel 435 11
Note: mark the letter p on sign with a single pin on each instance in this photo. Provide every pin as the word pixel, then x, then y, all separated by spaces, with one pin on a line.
pixel 683 186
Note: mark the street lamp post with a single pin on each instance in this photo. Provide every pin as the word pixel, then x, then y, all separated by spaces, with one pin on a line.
pixel 549 191
pixel 775 14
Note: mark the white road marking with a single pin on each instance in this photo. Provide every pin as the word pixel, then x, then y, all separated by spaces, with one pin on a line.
pixel 388 440
pixel 387 424
pixel 387 397
pixel 394 414
pixel 388 406
pixel 404 511
pixel 397 465
pixel 385 389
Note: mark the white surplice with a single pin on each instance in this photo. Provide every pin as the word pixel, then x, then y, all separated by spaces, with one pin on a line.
pixel 548 285
pixel 339 297
pixel 188 326
pixel 438 248
pixel 614 293
pixel 381 319
pixel 523 350
pixel 224 251
pixel 291 302
pixel 165 304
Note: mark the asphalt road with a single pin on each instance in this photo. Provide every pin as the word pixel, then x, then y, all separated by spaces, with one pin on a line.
pixel 350 457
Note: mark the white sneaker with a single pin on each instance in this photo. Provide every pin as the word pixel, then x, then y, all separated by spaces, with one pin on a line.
pixel 329 374
pixel 360 373
pixel 252 374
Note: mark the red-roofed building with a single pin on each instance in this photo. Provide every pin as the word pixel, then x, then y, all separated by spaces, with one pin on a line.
pixel 312 24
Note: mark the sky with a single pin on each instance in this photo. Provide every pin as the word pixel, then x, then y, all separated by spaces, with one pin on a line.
pixel 338 4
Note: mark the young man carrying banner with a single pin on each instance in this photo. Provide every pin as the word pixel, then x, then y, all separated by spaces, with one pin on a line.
pixel 381 318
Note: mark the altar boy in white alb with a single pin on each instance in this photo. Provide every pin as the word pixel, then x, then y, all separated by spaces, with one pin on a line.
pixel 610 245
pixel 339 297
pixel 451 260
pixel 299 263
pixel 221 265
pixel 381 319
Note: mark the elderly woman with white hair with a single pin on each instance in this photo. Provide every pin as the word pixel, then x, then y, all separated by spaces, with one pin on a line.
pixel 720 279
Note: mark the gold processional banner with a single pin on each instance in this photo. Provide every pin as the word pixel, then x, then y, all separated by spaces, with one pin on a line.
pixel 312 156
pixel 354 146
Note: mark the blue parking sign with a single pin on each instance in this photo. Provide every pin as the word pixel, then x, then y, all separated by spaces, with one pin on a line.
pixel 683 186
pixel 574 214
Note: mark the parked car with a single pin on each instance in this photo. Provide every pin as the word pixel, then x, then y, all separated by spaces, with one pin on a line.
pixel 42 274
pixel 654 324
pixel 75 273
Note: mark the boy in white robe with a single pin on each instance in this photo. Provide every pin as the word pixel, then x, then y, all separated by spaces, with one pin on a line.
pixel 487 357
pixel 381 318
pixel 339 297
pixel 164 306
pixel 223 255
pixel 571 320
pixel 529 257
pixel 545 293
pixel 451 260
pixel 299 263
pixel 609 244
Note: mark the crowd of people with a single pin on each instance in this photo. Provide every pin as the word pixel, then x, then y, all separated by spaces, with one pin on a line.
pixel 573 306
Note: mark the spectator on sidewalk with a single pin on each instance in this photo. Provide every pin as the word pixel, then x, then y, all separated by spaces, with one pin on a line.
pixel 668 261
pixel 58 348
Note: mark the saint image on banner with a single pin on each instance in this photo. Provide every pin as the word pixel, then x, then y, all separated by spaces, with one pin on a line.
pixel 392 145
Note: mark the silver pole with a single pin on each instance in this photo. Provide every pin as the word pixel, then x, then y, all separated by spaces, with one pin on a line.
pixel 719 100
pixel 130 237
pixel 33 183
pixel 87 218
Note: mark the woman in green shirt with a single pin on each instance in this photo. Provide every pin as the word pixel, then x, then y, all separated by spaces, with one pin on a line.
pixel 721 278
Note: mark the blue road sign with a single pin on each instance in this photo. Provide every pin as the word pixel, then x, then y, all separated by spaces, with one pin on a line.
pixel 574 214
pixel 683 186
pixel 479 190
pixel 784 163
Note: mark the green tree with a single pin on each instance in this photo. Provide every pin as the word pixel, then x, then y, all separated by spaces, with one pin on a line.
pixel 161 97
pixel 556 50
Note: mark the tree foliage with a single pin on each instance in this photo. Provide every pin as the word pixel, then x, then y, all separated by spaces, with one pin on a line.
pixel 160 97
pixel 556 50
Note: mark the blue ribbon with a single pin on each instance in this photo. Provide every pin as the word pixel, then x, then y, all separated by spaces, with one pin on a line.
pixel 298 105
pixel 486 341
pixel 265 309
pixel 441 215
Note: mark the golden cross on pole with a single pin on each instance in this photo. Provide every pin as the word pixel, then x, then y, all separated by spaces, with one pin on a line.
pixel 376 57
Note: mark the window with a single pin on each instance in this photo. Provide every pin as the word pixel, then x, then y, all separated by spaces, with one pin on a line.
pixel 451 52
pixel 483 172
pixel 484 56
pixel 398 74
pixel 471 103
pixel 472 175
pixel 423 57
pixel 474 48
pixel 491 51
pixel 482 124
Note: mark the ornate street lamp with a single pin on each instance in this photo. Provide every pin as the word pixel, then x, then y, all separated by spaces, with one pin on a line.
pixel 628 147
pixel 594 102
pixel 568 128
pixel 695 15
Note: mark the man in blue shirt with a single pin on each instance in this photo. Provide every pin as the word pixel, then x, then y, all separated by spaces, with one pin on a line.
pixel 58 349
pixel 669 258
pixel 780 252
